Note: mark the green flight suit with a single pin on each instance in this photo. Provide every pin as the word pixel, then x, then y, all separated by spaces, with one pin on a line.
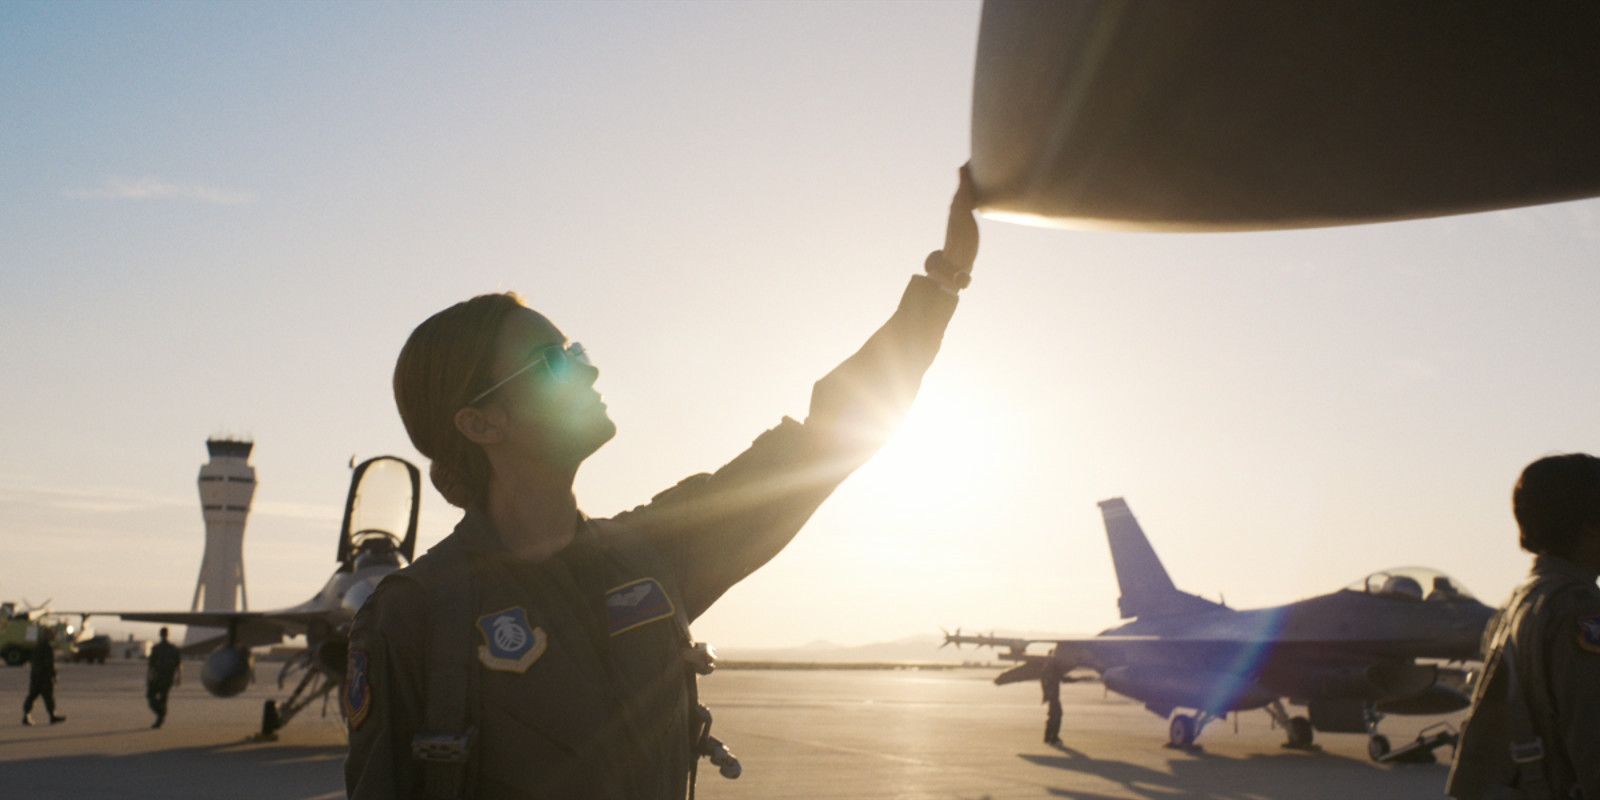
pixel 581 688
pixel 1552 625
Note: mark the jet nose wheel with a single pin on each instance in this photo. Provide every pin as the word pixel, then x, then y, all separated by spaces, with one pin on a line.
pixel 1300 732
pixel 1377 747
pixel 1181 732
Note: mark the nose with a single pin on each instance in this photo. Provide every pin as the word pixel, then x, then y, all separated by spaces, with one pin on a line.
pixel 587 373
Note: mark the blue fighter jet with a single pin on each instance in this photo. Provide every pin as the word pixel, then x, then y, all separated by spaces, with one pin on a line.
pixel 1383 645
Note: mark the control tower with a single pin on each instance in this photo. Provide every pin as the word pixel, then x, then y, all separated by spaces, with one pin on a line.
pixel 227 483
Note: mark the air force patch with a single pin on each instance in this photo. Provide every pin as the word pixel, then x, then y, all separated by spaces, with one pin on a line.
pixel 638 603
pixel 510 644
pixel 1589 633
pixel 357 695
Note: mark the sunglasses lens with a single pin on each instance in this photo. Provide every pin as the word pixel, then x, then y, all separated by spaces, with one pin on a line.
pixel 579 354
pixel 555 360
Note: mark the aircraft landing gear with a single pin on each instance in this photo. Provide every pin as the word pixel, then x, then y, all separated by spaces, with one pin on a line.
pixel 1299 732
pixel 1377 743
pixel 1184 729
pixel 1377 747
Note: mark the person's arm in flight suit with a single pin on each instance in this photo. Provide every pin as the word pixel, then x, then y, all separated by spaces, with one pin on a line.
pixel 718 528
pixel 385 716
pixel 1574 672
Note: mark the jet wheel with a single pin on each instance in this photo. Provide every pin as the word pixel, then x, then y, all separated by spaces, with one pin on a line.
pixel 1300 732
pixel 1181 732
pixel 1377 747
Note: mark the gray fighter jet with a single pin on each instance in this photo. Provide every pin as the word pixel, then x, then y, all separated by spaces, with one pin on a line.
pixel 1382 645
pixel 377 537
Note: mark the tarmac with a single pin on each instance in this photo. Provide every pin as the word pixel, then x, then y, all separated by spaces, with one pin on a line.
pixel 951 735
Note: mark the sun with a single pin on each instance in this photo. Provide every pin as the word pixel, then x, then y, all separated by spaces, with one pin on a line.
pixel 954 439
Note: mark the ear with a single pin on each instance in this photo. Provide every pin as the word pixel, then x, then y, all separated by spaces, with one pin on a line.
pixel 481 426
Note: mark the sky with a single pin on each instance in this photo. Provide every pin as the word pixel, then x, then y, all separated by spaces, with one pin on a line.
pixel 225 219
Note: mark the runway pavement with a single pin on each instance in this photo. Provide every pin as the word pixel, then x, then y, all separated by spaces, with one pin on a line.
pixel 800 734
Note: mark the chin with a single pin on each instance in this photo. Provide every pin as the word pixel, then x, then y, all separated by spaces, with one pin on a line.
pixel 594 436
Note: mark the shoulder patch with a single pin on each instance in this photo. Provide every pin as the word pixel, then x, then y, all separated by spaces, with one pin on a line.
pixel 1589 633
pixel 640 602
pixel 510 642
pixel 357 695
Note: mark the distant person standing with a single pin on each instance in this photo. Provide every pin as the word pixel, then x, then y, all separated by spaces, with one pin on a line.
pixel 1050 681
pixel 1534 731
pixel 42 678
pixel 161 675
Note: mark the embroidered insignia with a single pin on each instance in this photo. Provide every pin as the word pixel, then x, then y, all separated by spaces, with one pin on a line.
pixel 510 643
pixel 638 603
pixel 1589 633
pixel 357 695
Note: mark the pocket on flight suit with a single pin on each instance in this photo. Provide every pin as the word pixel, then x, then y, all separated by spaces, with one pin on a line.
pixel 540 732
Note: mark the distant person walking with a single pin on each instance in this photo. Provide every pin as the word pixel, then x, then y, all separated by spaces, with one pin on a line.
pixel 1534 730
pixel 1050 681
pixel 161 675
pixel 42 678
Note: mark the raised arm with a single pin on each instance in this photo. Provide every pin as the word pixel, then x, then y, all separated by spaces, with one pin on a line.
pixel 720 527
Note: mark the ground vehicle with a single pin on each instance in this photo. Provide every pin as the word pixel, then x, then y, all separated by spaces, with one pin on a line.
pixel 19 632
pixel 92 649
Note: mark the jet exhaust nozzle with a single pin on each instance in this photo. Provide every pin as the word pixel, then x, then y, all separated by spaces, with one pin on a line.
pixel 228 671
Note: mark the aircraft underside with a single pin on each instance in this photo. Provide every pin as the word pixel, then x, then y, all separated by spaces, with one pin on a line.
pixel 1191 699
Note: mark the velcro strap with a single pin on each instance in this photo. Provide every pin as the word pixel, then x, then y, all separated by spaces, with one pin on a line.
pixel 442 748
pixel 1527 752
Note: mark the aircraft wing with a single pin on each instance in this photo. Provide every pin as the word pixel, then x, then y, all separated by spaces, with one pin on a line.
pixel 251 628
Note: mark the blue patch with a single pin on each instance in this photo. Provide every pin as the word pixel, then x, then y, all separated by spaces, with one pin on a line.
pixel 357 695
pixel 510 642
pixel 638 603
pixel 1589 633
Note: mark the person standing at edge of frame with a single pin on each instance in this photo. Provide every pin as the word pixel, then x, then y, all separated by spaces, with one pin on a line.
pixel 539 653
pixel 1534 729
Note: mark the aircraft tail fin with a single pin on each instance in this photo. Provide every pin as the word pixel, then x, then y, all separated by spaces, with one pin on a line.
pixel 1147 590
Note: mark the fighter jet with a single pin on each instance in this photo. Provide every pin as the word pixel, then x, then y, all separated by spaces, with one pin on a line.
pixel 377 537
pixel 1382 645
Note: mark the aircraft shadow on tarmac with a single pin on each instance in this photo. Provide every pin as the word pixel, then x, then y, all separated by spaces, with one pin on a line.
pixel 1202 776
pixel 300 772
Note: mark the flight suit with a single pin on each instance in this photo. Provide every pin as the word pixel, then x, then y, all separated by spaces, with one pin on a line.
pixel 159 675
pixel 1546 644
pixel 41 679
pixel 578 683
pixel 1050 683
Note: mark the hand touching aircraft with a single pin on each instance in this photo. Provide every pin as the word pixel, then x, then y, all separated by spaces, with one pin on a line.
pixel 1351 656
pixel 377 537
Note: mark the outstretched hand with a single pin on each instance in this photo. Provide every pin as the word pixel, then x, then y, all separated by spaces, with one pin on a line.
pixel 952 265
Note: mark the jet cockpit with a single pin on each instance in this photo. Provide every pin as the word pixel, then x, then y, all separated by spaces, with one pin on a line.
pixel 1417 584
pixel 380 517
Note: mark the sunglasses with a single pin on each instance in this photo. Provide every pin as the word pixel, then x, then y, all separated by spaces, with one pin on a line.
pixel 555 358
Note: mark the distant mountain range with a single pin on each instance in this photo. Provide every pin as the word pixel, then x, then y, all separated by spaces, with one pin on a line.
pixel 913 649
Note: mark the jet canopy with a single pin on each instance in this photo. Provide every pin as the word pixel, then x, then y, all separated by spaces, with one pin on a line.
pixel 1411 583
pixel 380 515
